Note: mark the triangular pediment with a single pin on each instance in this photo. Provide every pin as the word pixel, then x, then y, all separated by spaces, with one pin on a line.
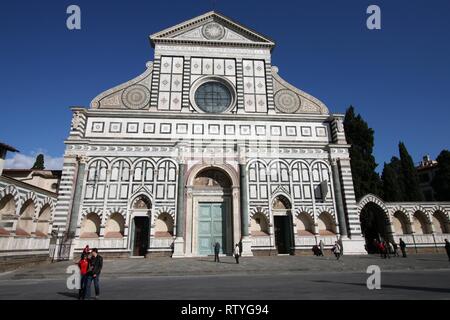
pixel 211 28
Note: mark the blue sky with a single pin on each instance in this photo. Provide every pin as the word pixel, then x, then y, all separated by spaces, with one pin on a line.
pixel 398 78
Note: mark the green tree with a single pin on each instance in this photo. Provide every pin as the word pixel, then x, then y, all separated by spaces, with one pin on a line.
pixel 361 137
pixel 441 181
pixel 409 177
pixel 39 163
pixel 393 189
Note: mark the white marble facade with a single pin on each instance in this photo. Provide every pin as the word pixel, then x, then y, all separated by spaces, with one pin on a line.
pixel 210 128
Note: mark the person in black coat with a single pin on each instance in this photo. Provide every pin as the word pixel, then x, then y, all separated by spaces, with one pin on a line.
pixel 95 268
pixel 216 252
pixel 447 248
pixel 403 247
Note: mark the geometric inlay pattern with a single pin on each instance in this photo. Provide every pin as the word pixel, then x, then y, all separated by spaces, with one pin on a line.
pixel 286 101
pixel 136 97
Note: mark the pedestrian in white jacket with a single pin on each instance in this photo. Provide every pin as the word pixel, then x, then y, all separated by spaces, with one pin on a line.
pixel 237 253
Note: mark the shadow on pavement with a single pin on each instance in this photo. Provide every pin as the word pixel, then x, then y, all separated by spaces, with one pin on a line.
pixel 69 294
pixel 221 262
pixel 391 286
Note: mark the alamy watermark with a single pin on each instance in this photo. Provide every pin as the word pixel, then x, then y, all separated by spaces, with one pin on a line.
pixel 374 280
pixel 73 21
pixel 374 20
pixel 74 279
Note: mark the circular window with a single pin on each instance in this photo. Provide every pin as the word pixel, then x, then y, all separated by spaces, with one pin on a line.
pixel 213 97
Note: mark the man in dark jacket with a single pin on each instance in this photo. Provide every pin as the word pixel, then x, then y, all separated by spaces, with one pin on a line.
pixel 216 251
pixel 95 268
pixel 447 248
pixel 403 247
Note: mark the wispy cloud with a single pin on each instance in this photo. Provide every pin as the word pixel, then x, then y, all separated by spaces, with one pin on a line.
pixel 23 161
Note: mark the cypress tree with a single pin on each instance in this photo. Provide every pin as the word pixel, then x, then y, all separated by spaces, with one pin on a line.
pixel 409 177
pixel 393 189
pixel 361 137
pixel 39 163
pixel 441 181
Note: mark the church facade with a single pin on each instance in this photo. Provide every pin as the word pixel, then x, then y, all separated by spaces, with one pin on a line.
pixel 210 144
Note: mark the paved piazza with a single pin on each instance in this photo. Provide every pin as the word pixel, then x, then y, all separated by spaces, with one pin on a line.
pixel 284 278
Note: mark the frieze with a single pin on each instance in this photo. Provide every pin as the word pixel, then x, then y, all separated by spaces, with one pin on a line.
pixel 216 51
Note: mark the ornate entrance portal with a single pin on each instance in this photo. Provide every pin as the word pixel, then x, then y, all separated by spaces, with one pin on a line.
pixel 212 227
pixel 210 207
pixel 282 218
pixel 140 226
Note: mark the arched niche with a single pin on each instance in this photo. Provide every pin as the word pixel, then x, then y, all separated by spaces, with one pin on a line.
pixel 305 225
pixel 90 228
pixel 164 225
pixel 115 226
pixel 259 225
pixel 326 224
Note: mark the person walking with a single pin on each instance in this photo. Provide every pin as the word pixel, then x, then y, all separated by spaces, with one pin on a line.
pixel 216 252
pixel 336 250
pixel 447 248
pixel 172 248
pixel 387 250
pixel 395 248
pixel 322 247
pixel 237 253
pixel 403 247
pixel 95 268
pixel 83 264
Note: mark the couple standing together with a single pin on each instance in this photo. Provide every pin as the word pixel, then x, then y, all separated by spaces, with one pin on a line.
pixel 236 253
pixel 90 264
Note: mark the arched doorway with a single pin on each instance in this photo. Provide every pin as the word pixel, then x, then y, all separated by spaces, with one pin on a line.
pixel 282 221
pixel 212 212
pixel 374 225
pixel 140 229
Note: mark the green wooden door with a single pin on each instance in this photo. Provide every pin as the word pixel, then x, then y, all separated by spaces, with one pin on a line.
pixel 211 227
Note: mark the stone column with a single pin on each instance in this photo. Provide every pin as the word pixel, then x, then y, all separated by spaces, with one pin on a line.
pixel 179 241
pixel 244 199
pixel 78 189
pixel 338 197
pixel 246 241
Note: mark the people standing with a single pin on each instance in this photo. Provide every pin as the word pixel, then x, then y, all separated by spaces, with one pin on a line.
pixel 322 247
pixel 447 248
pixel 216 252
pixel 95 268
pixel 237 253
pixel 403 247
pixel 336 250
pixel 316 250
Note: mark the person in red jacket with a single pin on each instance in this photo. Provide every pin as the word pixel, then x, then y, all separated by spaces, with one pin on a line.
pixel 83 264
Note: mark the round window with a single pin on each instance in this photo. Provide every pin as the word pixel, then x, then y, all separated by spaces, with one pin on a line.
pixel 213 97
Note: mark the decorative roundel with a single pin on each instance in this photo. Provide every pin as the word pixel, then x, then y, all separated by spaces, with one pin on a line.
pixel 287 101
pixel 136 97
pixel 213 31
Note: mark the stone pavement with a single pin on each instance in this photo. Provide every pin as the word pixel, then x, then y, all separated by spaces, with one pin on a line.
pixel 279 265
